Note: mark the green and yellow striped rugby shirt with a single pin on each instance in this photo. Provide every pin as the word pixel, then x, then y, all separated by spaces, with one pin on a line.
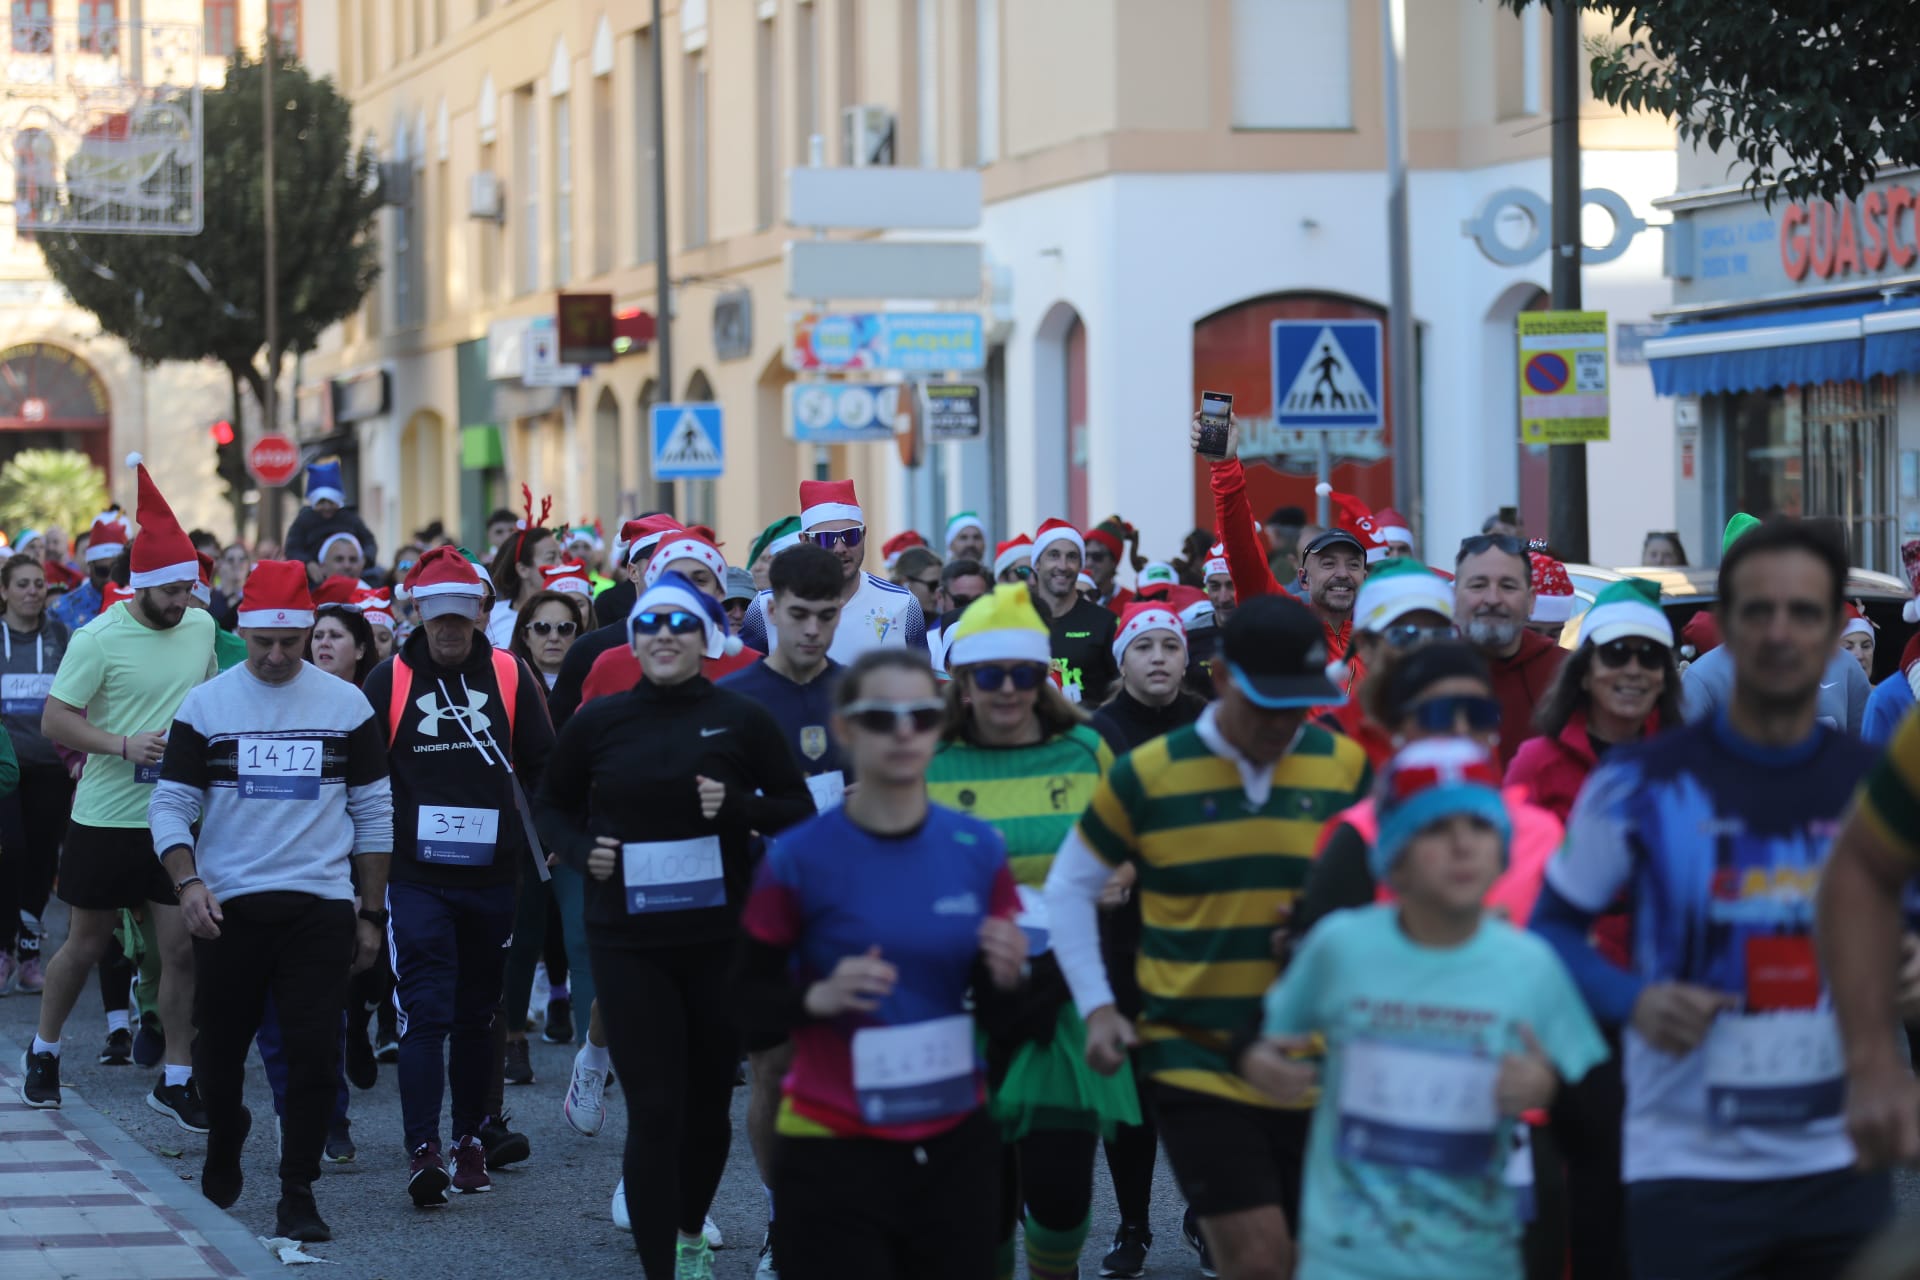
pixel 1889 800
pixel 1214 871
pixel 1033 795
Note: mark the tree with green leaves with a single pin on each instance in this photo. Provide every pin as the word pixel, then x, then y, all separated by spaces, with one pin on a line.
pixel 41 487
pixel 201 297
pixel 1816 96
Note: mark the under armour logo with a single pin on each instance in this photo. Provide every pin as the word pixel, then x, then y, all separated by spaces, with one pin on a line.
pixel 432 713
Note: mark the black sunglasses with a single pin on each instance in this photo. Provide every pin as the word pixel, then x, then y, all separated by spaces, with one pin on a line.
pixel 831 538
pixel 1020 571
pixel 1408 635
pixel 1022 676
pixel 890 717
pixel 960 603
pixel 678 621
pixel 926 584
pixel 1615 654
pixel 1442 715
pixel 1474 544
pixel 544 628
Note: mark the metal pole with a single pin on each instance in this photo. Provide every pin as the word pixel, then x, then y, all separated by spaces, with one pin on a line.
pixel 1566 463
pixel 663 274
pixel 270 408
pixel 1403 353
pixel 1322 474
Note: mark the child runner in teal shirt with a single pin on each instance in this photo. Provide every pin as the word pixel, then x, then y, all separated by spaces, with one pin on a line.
pixel 1442 1025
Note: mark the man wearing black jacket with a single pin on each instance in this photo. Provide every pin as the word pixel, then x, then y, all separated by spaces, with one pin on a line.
pixel 467 729
pixel 656 793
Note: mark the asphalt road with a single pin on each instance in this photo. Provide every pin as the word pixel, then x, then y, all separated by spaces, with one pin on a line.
pixel 549 1215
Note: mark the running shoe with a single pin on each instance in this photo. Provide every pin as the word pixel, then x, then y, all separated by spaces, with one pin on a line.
pixel 692 1260
pixel 339 1148
pixel 9 972
pixel 33 978
pixel 40 1083
pixel 559 1028
pixel 519 1068
pixel 118 1051
pixel 470 1167
pixel 540 993
pixel 427 1179
pixel 502 1145
pixel 1128 1257
pixel 1190 1228
pixel 710 1232
pixel 149 1042
pixel 182 1102
pixel 766 1270
pixel 386 1036
pixel 586 1104
pixel 620 1218
pixel 220 1177
pixel 362 1069
pixel 297 1217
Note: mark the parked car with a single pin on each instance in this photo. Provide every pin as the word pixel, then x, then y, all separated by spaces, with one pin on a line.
pixel 1686 591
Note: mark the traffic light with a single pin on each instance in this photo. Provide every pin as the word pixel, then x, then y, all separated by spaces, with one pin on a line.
pixel 232 456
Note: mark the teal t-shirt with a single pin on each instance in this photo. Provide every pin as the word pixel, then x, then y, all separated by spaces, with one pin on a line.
pixel 1405 1162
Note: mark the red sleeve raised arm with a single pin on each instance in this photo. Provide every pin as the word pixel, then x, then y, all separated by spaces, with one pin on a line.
pixel 1234 526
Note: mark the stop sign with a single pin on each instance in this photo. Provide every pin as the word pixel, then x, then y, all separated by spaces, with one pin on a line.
pixel 273 460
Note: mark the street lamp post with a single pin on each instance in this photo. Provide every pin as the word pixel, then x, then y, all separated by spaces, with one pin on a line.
pixel 270 405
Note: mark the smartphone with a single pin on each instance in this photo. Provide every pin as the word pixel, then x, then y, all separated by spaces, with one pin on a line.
pixel 1215 408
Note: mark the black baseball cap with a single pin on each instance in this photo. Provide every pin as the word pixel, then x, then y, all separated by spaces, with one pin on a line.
pixel 1336 535
pixel 1276 652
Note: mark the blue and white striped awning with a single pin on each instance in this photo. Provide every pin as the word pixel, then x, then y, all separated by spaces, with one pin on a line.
pixel 1847 342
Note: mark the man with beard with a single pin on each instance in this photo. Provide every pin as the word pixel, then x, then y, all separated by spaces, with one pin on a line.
pixel 966 537
pixel 1334 567
pixel 122 679
pixel 1492 600
pixel 1218 581
pixel 1082 632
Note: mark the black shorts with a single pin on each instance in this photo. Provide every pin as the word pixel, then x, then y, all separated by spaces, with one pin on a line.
pixel 1229 1156
pixel 106 868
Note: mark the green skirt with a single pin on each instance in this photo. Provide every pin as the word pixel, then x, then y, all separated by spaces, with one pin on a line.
pixel 1050 1086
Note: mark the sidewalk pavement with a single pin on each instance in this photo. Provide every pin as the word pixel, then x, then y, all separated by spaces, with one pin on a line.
pixel 80 1200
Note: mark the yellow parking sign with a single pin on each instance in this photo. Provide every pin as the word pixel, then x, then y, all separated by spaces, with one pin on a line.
pixel 1563 377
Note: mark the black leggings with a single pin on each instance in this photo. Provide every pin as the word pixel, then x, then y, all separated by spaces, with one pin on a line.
pixel 674 1047
pixel 32 821
pixel 1130 1157
pixel 1051 1171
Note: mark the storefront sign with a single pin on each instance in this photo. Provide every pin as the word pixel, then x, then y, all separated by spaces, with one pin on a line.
pixel 953 410
pixel 841 412
pixel 914 342
pixel 544 367
pixel 313 410
pixel 1741 250
pixel 1563 377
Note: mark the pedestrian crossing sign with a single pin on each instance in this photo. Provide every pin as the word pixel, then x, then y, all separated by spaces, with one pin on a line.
pixel 1326 374
pixel 688 442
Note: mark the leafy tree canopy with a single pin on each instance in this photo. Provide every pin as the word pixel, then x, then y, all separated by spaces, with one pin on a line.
pixel 41 487
pixel 201 297
pixel 1815 95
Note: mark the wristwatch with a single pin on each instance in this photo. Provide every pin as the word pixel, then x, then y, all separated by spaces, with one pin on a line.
pixel 378 919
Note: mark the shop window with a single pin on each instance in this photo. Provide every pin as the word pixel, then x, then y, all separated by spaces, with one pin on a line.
pixel 1311 89
pixel 286 25
pixel 30 31
pixel 1821 452
pixel 221 18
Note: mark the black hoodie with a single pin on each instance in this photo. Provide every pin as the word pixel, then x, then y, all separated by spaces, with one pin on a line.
pixel 436 764
pixel 627 765
pixel 1126 722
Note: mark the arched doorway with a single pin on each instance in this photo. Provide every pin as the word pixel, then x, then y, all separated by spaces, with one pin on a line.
pixel 50 398
pixel 1528 489
pixel 654 495
pixel 423 461
pixel 1060 413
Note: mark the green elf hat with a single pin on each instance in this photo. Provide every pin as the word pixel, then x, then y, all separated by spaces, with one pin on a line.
pixel 1627 608
pixel 1741 524
pixel 1395 588
pixel 776 537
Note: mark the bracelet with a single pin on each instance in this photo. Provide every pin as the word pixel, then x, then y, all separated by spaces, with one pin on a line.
pixel 189 880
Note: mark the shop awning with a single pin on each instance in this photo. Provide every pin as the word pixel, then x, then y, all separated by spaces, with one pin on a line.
pixel 1841 343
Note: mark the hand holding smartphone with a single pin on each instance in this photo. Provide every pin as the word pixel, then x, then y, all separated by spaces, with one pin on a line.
pixel 1216 412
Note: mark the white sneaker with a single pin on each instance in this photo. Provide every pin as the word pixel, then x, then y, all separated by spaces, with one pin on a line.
pixel 712 1232
pixel 620 1218
pixel 765 1270
pixel 537 1004
pixel 585 1105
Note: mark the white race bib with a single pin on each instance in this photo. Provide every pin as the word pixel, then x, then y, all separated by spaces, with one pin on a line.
pixel 278 768
pixel 1782 1068
pixel 829 789
pixel 1423 1108
pixel 24 694
pixel 453 836
pixel 917 1072
pixel 673 875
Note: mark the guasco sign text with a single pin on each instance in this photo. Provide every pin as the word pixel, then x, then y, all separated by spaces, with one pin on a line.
pixel 1832 241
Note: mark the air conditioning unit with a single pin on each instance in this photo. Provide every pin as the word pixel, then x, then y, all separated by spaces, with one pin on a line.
pixel 485 199
pixel 396 182
pixel 866 135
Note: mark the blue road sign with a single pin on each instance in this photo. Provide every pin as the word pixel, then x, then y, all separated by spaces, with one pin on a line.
pixel 1326 374
pixel 688 441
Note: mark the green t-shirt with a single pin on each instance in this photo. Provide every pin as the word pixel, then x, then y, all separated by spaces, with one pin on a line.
pixel 229 650
pixel 129 678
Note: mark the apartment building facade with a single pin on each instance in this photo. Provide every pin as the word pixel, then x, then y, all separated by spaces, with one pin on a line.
pixel 1162 178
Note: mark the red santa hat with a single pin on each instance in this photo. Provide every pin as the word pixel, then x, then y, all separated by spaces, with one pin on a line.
pixel 1910 564
pixel 162 553
pixel 899 542
pixel 566 577
pixel 1552 590
pixel 376 606
pixel 1857 624
pixel 1393 526
pixel 1216 565
pixel 443 581
pixel 1139 619
pixel 686 545
pixel 640 537
pixel 1356 518
pixel 339 589
pixel 108 538
pixel 1108 539
pixel 203 589
pixel 824 500
pixel 1057 530
pixel 1012 552
pixel 276 595
pixel 113 595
